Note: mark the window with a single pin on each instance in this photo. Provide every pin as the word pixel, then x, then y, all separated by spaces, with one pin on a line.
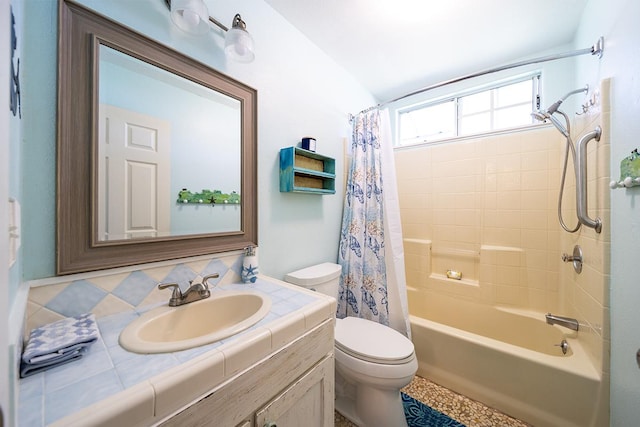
pixel 501 106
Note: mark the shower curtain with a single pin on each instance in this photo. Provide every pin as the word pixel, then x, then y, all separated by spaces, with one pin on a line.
pixel 373 284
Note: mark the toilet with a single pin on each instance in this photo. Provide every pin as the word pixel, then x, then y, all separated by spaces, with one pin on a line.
pixel 373 361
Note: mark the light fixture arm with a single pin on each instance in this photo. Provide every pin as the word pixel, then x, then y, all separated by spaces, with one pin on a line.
pixel 218 23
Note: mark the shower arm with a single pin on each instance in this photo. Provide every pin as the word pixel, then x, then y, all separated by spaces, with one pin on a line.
pixel 581 180
pixel 554 107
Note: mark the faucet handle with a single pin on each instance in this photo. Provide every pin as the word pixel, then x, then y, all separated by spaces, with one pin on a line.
pixel 576 258
pixel 177 293
pixel 205 280
pixel 196 280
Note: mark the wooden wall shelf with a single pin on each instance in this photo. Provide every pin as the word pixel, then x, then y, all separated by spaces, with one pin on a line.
pixel 304 171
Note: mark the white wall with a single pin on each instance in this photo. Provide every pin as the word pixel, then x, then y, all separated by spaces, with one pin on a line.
pixel 301 92
pixel 5 58
pixel 617 21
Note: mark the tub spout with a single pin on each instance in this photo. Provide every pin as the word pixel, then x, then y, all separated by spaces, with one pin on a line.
pixel 567 322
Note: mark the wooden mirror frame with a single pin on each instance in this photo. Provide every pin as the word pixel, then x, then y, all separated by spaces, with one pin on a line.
pixel 80 32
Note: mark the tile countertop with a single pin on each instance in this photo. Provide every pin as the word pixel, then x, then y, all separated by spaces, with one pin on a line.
pixel 112 385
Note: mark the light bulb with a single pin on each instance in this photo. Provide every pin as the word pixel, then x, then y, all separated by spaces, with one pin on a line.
pixel 191 19
pixel 240 49
pixel 239 45
pixel 191 16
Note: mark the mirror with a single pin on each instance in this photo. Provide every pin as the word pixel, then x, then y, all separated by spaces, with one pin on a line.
pixel 156 151
pixel 168 153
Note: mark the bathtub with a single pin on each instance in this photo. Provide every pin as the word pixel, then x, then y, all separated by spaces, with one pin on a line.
pixel 507 359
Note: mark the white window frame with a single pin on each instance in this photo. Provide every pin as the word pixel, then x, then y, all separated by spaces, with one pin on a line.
pixel 536 76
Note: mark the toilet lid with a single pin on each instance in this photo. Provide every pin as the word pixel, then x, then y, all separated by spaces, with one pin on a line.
pixel 372 341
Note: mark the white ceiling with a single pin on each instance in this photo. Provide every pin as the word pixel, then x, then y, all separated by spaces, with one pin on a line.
pixel 397 46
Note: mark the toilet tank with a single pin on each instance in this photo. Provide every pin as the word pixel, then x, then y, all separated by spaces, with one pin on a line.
pixel 323 278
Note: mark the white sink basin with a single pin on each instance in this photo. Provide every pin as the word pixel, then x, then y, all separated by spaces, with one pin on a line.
pixel 166 329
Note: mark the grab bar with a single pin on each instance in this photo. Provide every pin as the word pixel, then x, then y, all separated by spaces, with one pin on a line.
pixel 581 180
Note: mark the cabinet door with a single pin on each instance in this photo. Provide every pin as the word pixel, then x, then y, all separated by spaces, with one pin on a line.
pixel 307 402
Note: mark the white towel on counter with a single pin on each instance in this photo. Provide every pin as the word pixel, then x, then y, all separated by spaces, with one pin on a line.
pixel 58 343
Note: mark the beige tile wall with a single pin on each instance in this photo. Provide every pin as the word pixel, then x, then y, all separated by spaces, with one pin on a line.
pixel 488 207
pixel 586 295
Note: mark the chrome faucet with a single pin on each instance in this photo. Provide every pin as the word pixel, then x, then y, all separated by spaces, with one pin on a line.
pixel 195 292
pixel 567 322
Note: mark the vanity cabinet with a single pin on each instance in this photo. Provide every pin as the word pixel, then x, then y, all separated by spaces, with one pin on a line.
pixel 289 388
pixel 303 403
pixel 304 171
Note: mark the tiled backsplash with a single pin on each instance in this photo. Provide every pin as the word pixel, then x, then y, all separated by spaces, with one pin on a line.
pixel 120 292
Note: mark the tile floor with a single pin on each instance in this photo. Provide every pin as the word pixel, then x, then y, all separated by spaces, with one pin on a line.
pixel 460 408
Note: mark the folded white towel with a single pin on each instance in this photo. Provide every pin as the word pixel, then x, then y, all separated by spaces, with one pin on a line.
pixel 58 343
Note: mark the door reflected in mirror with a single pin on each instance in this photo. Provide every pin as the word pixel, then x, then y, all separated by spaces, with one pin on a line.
pixel 160 134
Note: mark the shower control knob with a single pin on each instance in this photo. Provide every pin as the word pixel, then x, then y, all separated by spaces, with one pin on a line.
pixel 575 258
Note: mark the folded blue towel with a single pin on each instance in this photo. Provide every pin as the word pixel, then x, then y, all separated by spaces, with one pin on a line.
pixel 58 343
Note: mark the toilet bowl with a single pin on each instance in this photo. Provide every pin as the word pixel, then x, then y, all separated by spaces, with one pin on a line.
pixel 373 361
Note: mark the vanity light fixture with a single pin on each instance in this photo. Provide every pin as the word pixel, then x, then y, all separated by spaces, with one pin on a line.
pixel 238 44
pixel 192 16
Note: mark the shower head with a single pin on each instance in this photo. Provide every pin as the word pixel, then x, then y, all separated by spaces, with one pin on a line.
pixel 540 116
pixel 543 115
pixel 553 108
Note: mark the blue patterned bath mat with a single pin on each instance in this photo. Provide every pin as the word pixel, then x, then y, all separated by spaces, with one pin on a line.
pixel 420 415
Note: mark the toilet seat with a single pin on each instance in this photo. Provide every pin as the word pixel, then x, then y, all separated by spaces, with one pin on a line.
pixel 372 342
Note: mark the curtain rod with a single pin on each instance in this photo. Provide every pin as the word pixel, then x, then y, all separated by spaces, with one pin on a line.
pixel 596 49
